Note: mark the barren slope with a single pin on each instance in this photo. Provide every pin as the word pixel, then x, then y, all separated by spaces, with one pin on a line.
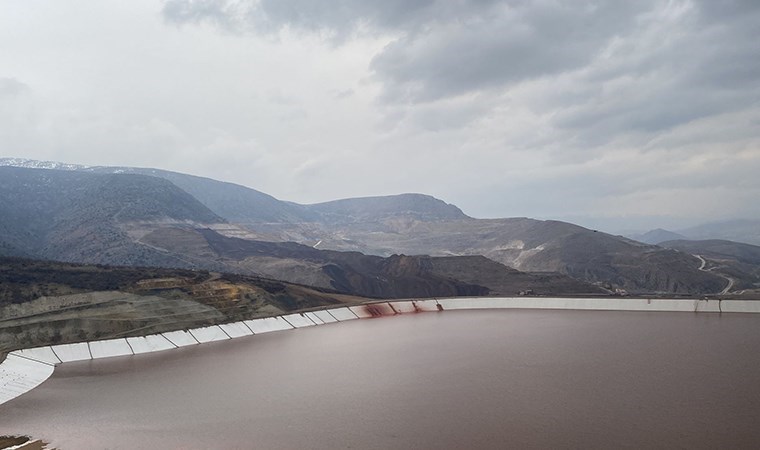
pixel 44 302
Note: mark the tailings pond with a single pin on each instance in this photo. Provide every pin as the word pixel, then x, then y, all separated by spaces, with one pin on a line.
pixel 459 379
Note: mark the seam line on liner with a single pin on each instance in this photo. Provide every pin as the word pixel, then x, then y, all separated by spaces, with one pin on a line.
pixel 246 325
pixel 89 350
pixel 170 341
pixel 130 346
pixel 30 359
pixel 331 315
pixel 56 354
pixel 60 361
pixel 226 333
pixel 352 312
pixel 167 340
pixel 286 320
pixel 310 319
pixel 196 339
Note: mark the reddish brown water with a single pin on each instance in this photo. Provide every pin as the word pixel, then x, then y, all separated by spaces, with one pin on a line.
pixel 468 379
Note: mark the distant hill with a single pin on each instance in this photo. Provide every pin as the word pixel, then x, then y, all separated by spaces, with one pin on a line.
pixel 35 164
pixel 744 230
pixel 235 203
pixel 81 217
pixel 534 246
pixel 356 273
pixel 371 209
pixel 656 236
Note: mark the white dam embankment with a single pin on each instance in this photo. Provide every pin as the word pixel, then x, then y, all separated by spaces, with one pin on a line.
pixel 23 370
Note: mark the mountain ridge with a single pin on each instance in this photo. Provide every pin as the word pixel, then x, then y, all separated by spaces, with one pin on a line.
pixel 417 224
pixel 656 236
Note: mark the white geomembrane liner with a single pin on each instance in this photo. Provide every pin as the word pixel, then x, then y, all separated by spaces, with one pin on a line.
pixel 479 303
pixel 236 329
pixel 151 343
pixel 626 304
pixel 343 314
pixel 268 324
pixel 607 304
pixel 708 306
pixel 20 375
pixel 72 352
pixel 209 334
pixel 427 305
pixel 360 312
pixel 314 318
pixel 403 307
pixel 109 348
pixel 747 306
pixel 298 320
pixel 43 354
pixel 180 338
pixel 325 316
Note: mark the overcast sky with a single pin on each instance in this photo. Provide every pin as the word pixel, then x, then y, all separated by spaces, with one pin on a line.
pixel 618 114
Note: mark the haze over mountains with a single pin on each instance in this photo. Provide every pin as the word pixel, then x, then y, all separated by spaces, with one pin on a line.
pixel 743 230
pixel 656 236
pixel 129 216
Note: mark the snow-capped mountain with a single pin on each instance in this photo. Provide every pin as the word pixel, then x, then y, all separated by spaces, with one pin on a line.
pixel 34 164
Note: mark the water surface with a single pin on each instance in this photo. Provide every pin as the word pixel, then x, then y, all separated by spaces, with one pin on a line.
pixel 458 379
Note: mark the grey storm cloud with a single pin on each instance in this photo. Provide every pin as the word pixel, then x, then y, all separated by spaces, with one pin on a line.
pixel 508 45
pixel 340 17
pixel 710 67
pixel 444 49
